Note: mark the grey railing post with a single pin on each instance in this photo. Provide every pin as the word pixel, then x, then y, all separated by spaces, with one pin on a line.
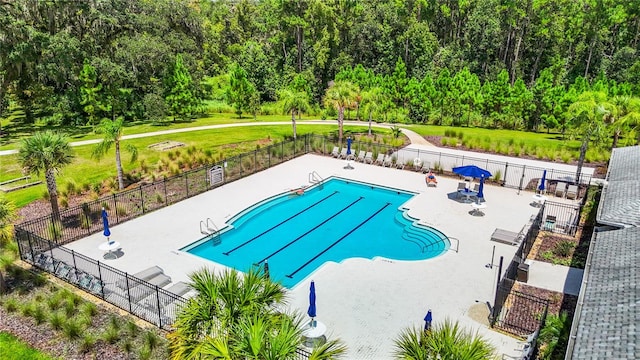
pixel 141 199
pixel 101 281
pixel 158 303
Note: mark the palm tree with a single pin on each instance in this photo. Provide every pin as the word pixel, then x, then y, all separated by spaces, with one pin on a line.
pixel 590 114
pixel 234 317
pixel 7 217
pixel 446 341
pixel 554 335
pixel 294 102
pixel 46 152
pixel 371 101
pixel 112 134
pixel 627 114
pixel 341 95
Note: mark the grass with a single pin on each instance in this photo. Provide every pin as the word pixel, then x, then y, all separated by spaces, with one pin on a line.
pixel 13 349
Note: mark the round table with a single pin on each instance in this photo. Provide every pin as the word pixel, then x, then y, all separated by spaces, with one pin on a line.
pixel 538 200
pixel 108 248
pixel 477 208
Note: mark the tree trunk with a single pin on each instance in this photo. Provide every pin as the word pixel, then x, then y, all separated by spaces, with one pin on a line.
pixel 534 69
pixel 616 137
pixel 370 113
pixel 340 123
pixel 293 122
pixel 299 46
pixel 53 193
pixel 586 70
pixel 583 153
pixel 119 166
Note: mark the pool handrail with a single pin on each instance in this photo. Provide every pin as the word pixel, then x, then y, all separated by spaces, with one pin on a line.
pixel 214 230
pixel 314 177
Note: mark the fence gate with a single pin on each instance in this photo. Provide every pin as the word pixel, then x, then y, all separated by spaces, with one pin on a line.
pixel 216 175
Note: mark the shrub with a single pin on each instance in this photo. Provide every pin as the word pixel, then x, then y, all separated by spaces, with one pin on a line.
pixel 53 302
pixel 70 187
pixel 144 353
pixel 127 346
pixel 89 308
pixel 159 198
pixel 85 221
pixel 11 305
pixel 69 308
pixel 39 315
pixel 563 248
pixel 111 335
pixel 132 329
pixel 27 309
pixel 56 319
pixel 87 343
pixel 72 329
pixel 497 176
pixel 121 210
pixel 151 340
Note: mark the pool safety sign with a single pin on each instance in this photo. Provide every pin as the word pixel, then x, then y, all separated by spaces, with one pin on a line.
pixel 216 175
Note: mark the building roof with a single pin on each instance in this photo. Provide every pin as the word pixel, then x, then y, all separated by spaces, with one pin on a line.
pixel 610 314
pixel 620 200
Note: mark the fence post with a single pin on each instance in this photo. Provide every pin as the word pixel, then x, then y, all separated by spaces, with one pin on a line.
pixel 115 207
pixel 504 178
pixel 126 277
pixel 164 184
pixel 186 184
pixel 524 168
pixel 101 281
pixel 75 266
pixel 494 316
pixel 142 199
pixel 158 302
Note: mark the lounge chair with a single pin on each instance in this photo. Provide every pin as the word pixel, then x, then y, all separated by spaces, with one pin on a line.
pixel 560 189
pixel 145 274
pixel 336 152
pixel 426 166
pixel 399 164
pixel 141 290
pixel 180 288
pixel 343 154
pixel 388 161
pixel 506 237
pixel 572 192
pixel 476 187
pixel 431 180
pixel 380 159
pixel 368 159
pixel 361 155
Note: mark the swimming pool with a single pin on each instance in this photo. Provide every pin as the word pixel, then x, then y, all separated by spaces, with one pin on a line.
pixel 331 221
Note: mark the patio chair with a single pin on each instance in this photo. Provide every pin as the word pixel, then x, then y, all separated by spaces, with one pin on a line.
pixel 400 164
pixel 380 159
pixel 506 236
pixel 549 223
pixel 572 192
pixel 141 289
pixel 368 159
pixel 388 161
pixel 180 288
pixel 560 189
pixel 476 187
pixel 461 187
pixel 336 152
pixel 361 155
pixel 343 154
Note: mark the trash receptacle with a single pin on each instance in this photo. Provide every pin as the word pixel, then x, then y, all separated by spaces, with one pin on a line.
pixel 523 272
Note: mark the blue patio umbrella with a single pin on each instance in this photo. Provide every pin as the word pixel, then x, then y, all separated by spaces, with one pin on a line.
pixel 312 301
pixel 471 171
pixel 349 146
pixel 481 188
pixel 542 180
pixel 105 224
pixel 427 320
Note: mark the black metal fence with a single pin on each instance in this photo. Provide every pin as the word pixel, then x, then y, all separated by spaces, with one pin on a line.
pixel 138 297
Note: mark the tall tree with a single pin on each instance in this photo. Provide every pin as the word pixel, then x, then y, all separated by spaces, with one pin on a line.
pixel 7 217
pixel 111 135
pixel 47 152
pixel 90 97
pixel 341 96
pixel 181 98
pixel 240 89
pixel 294 102
pixel 590 115
pixel 371 102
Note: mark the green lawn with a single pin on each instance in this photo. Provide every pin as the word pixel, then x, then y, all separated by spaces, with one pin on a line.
pixel 13 349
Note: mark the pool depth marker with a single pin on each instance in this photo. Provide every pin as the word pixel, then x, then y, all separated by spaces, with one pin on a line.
pixel 275 226
pixel 308 232
pixel 337 241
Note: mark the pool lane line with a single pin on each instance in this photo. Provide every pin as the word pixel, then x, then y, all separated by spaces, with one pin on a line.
pixel 309 231
pixel 275 226
pixel 337 241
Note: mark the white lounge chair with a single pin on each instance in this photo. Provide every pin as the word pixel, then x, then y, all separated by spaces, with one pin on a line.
pixel 388 161
pixel 368 159
pixel 336 152
pixel 343 154
pixel 399 164
pixel 145 274
pixel 572 192
pixel 506 236
pixel 560 189
pixel 361 155
pixel 380 159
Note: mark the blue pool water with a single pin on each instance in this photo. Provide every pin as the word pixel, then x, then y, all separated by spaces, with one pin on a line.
pixel 332 221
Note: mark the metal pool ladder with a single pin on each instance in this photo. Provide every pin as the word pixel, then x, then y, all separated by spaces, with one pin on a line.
pixel 314 177
pixel 208 227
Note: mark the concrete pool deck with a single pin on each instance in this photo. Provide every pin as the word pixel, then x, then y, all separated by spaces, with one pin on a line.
pixel 365 303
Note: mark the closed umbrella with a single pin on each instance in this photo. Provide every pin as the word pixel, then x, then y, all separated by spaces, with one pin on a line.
pixel 105 224
pixel 471 171
pixel 266 269
pixel 481 188
pixel 427 321
pixel 542 180
pixel 312 302
pixel 349 145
